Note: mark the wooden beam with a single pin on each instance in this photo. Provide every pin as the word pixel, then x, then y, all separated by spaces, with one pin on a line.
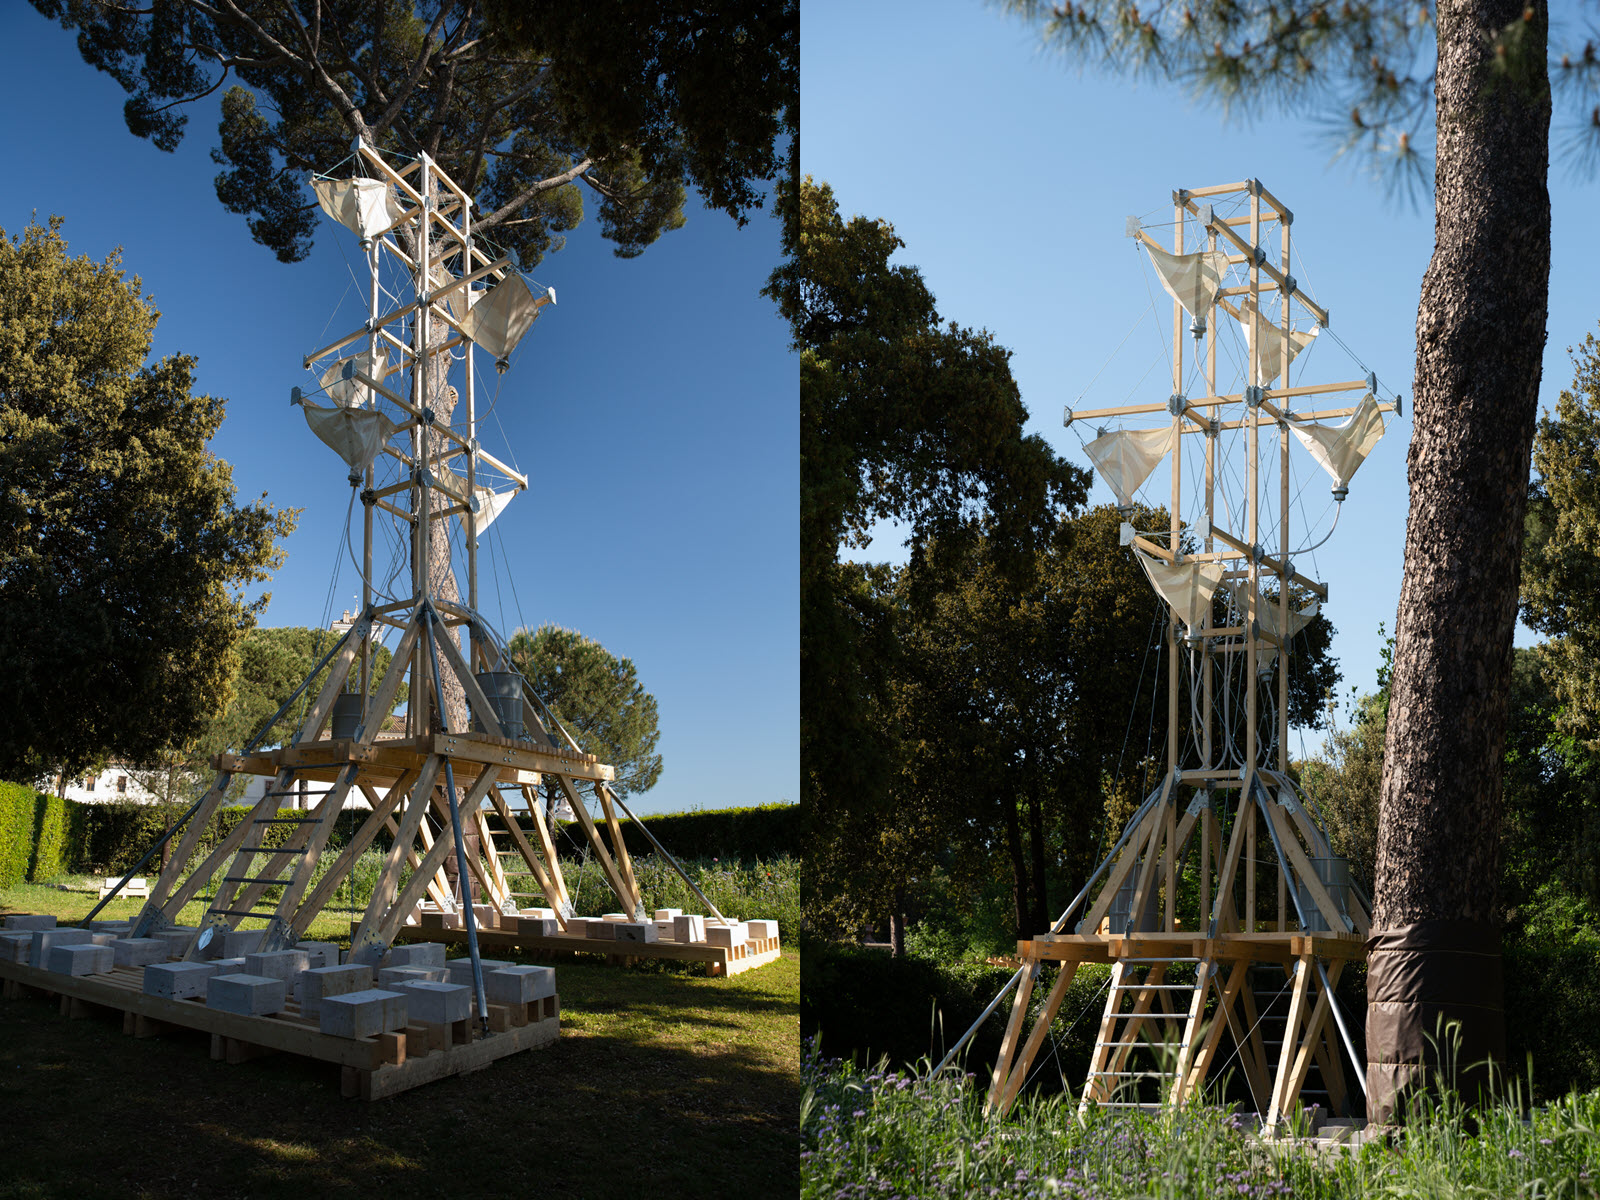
pixel 1281 1089
pixel 1036 1038
pixel 528 856
pixel 1008 1044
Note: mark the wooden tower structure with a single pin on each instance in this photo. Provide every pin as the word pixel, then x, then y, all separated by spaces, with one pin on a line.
pixel 1210 968
pixel 477 750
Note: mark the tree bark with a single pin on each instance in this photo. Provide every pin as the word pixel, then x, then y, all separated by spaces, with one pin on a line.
pixel 897 925
pixel 1039 918
pixel 1480 339
pixel 1019 870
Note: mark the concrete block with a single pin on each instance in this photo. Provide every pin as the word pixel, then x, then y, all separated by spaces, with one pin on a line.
pixel 690 928
pixel 636 931
pixel 615 917
pixel 440 920
pixel 762 929
pixel 101 939
pixel 248 995
pixel 177 940
pixel 601 930
pixel 177 981
pixel 363 1014
pixel 390 977
pixel 319 954
pixel 538 926
pixel 461 968
pixel 45 940
pixel 487 916
pixel 437 1003
pixel 727 935
pixel 519 984
pixel 83 959
pixel 14 947
pixel 120 928
pixel 276 964
pixel 321 983
pixel 666 914
pixel 546 914
pixel 229 966
pixel 138 952
pixel 28 922
pixel 234 943
pixel 420 954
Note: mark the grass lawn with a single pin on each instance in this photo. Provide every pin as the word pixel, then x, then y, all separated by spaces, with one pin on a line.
pixel 663 1083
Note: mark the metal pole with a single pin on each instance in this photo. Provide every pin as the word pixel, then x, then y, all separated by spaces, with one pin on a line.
pixel 1344 1033
pixel 682 874
pixel 987 1013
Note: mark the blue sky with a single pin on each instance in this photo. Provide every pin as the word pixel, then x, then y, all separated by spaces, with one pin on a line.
pixel 1009 175
pixel 654 408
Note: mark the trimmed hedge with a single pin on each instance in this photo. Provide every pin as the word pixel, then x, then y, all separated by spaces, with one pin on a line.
pixel 16 832
pixel 50 837
pixel 736 834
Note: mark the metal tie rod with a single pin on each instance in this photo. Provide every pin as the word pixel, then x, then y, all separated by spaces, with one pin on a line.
pixel 985 1015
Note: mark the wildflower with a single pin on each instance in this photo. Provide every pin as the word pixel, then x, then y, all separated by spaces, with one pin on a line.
pixel 1517 1154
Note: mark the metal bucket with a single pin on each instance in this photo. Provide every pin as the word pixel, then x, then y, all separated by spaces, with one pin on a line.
pixel 504 690
pixel 1334 875
pixel 346 715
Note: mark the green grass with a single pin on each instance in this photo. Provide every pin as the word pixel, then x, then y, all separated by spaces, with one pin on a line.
pixel 886 1134
pixel 661 1084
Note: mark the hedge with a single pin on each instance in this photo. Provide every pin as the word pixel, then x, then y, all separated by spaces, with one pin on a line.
pixel 734 834
pixel 16 832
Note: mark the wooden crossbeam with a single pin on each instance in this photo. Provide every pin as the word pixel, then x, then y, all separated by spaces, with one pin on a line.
pixel 1012 1038
pixel 1018 1074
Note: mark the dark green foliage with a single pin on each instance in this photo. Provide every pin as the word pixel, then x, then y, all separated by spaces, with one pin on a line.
pixel 732 834
pixel 51 849
pixel 520 103
pixel 122 551
pixel 16 832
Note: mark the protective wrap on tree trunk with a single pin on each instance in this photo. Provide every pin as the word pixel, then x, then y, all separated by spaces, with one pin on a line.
pixel 1422 975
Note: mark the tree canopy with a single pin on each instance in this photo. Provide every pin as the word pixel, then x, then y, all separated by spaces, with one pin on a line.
pixel 598 697
pixel 122 552
pixel 519 103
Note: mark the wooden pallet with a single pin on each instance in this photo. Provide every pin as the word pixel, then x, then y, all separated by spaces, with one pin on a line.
pixel 719 960
pixel 370 1068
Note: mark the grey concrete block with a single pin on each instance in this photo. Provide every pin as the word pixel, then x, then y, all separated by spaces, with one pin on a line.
pixel 762 929
pixel 436 1003
pixel 319 954
pixel 14 947
pixel 82 959
pixel 45 940
pixel 519 984
pixel 389 977
pixel 138 952
pixel 542 913
pixel 320 983
pixel 177 981
pixel 28 922
pixel 234 943
pixel 248 995
pixel 538 926
pixel 666 914
pixel 461 968
pixel 177 940
pixel 727 935
pixel 120 928
pixel 101 939
pixel 601 930
pixel 276 964
pixel 689 928
pixel 363 1014
pixel 417 954
pixel 229 966
pixel 636 931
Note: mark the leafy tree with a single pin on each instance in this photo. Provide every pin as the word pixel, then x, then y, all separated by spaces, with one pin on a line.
pixel 598 697
pixel 1478 74
pixel 122 552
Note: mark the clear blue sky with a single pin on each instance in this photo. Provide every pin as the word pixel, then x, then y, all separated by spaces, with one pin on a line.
pixel 655 408
pixel 1009 174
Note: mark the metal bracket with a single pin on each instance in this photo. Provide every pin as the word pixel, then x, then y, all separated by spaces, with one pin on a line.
pixel 1066 416
pixel 1260 255
pixel 1372 382
pixel 1208 215
pixel 1289 285
pixel 369 497
pixel 1287 802
pixel 296 396
pixel 1253 396
pixel 1176 403
pixel 1126 534
pixel 1132 227
pixel 1201 801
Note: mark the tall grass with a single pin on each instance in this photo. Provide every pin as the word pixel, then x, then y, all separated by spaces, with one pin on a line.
pixel 882 1133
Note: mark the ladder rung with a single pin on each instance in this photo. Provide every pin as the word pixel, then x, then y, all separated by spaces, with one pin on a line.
pixel 253 879
pixel 288 820
pixel 1153 987
pixel 237 912
pixel 1136 1074
pixel 1159 960
pixel 1129 1104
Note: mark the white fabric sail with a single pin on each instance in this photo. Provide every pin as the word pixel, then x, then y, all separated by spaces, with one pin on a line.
pixel 456 301
pixel 1186 587
pixel 1341 449
pixel 1268 614
pixel 489 503
pixel 364 206
pixel 503 314
pixel 1190 279
pixel 1125 457
pixel 1272 343
pixel 354 434
pixel 351 392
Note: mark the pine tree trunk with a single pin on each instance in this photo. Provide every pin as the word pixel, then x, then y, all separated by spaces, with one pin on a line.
pixel 1480 338
pixel 897 925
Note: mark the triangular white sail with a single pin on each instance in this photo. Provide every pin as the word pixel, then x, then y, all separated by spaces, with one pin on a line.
pixel 1267 612
pixel 365 206
pixel 354 434
pixel 1190 279
pixel 456 301
pixel 1343 448
pixel 1186 587
pixel 351 392
pixel 488 503
pixel 1125 457
pixel 503 314
pixel 1272 343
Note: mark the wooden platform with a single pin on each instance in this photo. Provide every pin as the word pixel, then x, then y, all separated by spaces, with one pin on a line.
pixel 719 960
pixel 370 1068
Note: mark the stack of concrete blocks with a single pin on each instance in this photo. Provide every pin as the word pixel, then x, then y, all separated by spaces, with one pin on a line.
pixel 287 965
pixel 323 983
pixel 519 984
pixel 420 954
pixel 46 940
pixel 177 981
pixel 431 1002
pixel 319 954
pixel 246 994
pixel 139 952
pixel 540 921
pixel 663 921
pixel 461 968
pixel 390 977
pixel 728 934
pixel 761 930
pixel 84 958
pixel 688 928
pixel 363 1014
